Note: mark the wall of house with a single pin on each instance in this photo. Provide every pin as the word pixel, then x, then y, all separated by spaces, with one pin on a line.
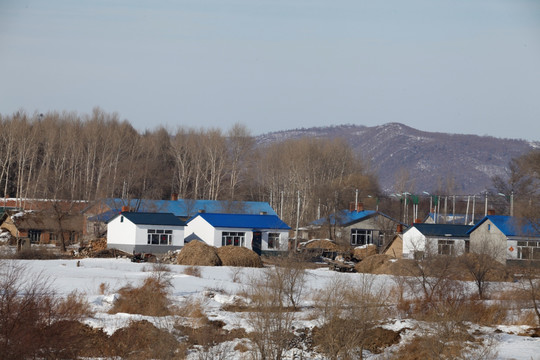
pixel 487 238
pixel 129 237
pixel 396 248
pixel 413 241
pixel 379 224
pixel 200 229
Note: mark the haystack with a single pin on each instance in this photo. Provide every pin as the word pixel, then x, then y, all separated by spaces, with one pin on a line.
pixel 321 244
pixel 362 252
pixel 238 256
pixel 375 264
pixel 197 253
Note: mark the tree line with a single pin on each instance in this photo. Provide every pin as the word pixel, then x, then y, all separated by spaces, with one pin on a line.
pixel 87 157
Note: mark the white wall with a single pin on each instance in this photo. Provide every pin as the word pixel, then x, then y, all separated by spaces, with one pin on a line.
pixel 487 238
pixel 202 230
pixel 413 240
pixel 125 235
pixel 119 232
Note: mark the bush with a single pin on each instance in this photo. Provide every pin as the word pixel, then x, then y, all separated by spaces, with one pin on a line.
pixel 150 299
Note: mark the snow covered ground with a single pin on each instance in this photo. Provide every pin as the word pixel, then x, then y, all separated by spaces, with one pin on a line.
pixel 94 275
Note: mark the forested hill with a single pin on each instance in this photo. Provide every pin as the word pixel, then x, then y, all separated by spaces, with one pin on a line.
pixel 425 161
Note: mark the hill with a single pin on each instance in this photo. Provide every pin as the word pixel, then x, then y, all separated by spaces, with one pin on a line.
pixel 427 161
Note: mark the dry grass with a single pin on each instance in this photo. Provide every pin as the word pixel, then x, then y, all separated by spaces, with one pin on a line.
pixel 193 271
pixel 239 256
pixel 197 253
pixel 149 299
pixel 361 253
pixel 322 244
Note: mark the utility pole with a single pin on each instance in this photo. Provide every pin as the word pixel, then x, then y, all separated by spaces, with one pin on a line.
pixel 297 223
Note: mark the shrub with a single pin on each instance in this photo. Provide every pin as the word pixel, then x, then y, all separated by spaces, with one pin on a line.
pixel 193 271
pixel 151 298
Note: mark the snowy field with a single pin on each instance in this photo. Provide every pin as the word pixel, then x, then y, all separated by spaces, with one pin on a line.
pixel 94 275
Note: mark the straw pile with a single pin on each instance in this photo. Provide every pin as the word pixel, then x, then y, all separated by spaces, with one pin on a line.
pixel 376 264
pixel 98 244
pixel 360 253
pixel 238 256
pixel 197 253
pixel 321 244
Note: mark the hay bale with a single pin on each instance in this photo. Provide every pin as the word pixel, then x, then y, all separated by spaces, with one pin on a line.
pixel 373 264
pixel 238 256
pixel 362 252
pixel 197 253
pixel 321 244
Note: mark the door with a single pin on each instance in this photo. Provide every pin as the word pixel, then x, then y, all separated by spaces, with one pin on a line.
pixel 256 242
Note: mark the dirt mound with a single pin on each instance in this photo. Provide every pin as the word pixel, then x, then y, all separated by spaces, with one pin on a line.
pixel 379 338
pixel 197 253
pixel 377 264
pixel 321 244
pixel 360 253
pixel 238 256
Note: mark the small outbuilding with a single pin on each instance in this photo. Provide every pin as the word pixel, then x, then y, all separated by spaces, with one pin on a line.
pixel 145 232
pixel 261 233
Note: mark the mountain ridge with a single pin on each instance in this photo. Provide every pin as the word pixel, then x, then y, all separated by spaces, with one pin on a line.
pixel 417 160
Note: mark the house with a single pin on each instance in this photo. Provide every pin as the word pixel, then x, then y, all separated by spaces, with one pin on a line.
pixel 442 239
pixel 45 227
pixel 261 233
pixel 98 214
pixel 139 232
pixel 357 227
pixel 508 239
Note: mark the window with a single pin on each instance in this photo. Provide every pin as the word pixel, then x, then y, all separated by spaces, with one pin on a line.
pixel 159 237
pixel 53 236
pixel 528 250
pixel 35 236
pixel 361 237
pixel 446 247
pixel 273 240
pixel 233 238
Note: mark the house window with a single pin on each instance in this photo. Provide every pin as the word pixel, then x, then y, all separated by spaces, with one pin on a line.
pixel 273 240
pixel 528 250
pixel 233 238
pixel 35 236
pixel 361 237
pixel 446 247
pixel 53 236
pixel 159 237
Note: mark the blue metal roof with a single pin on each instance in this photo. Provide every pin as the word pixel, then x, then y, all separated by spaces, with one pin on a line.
pixel 146 218
pixel 344 217
pixel 510 226
pixel 251 221
pixel 185 207
pixel 443 229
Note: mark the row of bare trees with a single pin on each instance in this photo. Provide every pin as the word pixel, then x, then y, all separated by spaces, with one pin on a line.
pixel 69 156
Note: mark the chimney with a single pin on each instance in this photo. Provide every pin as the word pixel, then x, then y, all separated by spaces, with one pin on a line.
pixel 491 212
pixel 360 207
pixel 202 211
pixel 174 196
pixel 125 208
pixel 263 213
pixel 399 228
pixel 417 221
pixel 351 206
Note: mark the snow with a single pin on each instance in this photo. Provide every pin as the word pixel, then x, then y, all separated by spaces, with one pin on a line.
pixel 100 279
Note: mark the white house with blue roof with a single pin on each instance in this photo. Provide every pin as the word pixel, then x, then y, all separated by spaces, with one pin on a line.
pixel 261 233
pixel 101 212
pixel 507 238
pixel 144 232
pixel 435 239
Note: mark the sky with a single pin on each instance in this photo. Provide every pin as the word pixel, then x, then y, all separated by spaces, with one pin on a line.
pixel 458 66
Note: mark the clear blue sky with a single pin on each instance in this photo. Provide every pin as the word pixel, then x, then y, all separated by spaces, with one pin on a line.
pixel 460 66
